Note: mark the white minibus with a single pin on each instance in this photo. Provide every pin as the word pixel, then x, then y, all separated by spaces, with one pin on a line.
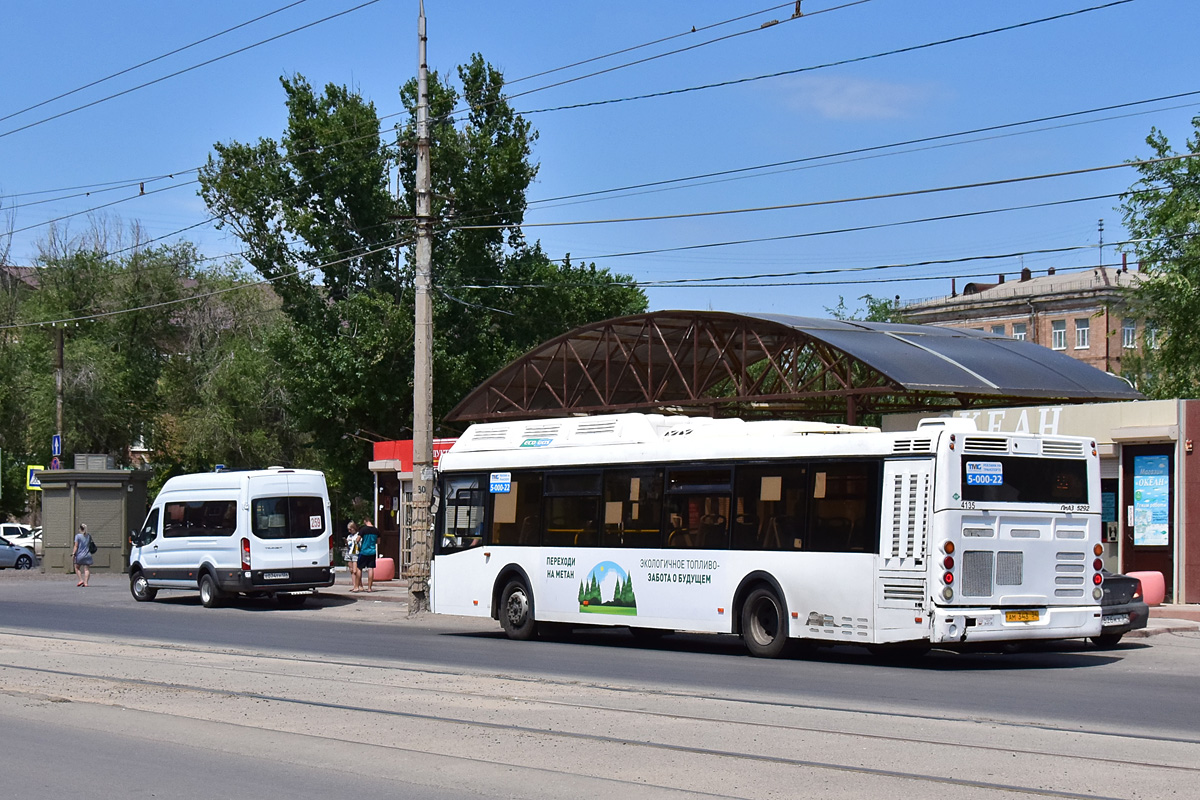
pixel 260 532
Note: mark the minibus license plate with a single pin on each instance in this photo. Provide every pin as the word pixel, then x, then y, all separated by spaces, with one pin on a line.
pixel 1021 616
pixel 276 576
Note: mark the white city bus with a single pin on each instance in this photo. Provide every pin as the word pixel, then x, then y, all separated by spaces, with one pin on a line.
pixel 775 530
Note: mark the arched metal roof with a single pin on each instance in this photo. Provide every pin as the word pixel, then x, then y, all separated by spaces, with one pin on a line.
pixel 720 363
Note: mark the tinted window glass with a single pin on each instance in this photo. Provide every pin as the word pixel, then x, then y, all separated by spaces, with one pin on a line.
pixel 200 518
pixel 149 528
pixel 770 505
pixel 287 517
pixel 633 508
pixel 698 504
pixel 572 509
pixel 517 515
pixel 844 514
pixel 461 514
pixel 1009 479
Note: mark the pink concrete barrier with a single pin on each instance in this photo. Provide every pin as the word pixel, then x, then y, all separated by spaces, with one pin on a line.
pixel 385 569
pixel 1154 588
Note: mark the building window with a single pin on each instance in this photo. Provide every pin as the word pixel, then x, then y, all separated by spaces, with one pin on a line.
pixel 1019 330
pixel 1129 334
pixel 998 330
pixel 1058 334
pixel 1082 333
pixel 1151 335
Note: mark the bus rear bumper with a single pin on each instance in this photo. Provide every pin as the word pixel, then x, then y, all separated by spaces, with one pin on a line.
pixel 951 625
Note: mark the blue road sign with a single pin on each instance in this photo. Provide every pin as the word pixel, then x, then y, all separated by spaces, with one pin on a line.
pixel 56 444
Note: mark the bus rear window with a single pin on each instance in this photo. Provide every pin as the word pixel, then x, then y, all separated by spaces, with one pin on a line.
pixel 1012 479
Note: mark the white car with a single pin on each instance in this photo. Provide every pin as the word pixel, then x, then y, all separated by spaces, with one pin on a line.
pixel 31 539
pixel 15 556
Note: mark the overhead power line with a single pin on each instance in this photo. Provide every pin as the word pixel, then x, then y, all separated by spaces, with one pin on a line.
pixel 842 62
pixel 149 61
pixel 875 148
pixel 696 46
pixel 187 69
pixel 843 200
pixel 852 229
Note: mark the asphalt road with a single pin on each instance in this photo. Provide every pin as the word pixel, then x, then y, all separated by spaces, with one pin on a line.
pixel 596 714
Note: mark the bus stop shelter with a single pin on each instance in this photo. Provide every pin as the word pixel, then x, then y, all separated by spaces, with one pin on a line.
pixel 725 364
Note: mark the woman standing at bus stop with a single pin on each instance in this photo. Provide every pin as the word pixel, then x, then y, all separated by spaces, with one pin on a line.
pixel 353 542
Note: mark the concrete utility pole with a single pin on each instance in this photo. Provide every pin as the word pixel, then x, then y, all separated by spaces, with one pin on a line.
pixel 418 577
pixel 58 380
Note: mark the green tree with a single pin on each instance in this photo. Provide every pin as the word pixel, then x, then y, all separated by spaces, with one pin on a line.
pixel 317 220
pixel 498 293
pixel 1161 211
pixel 878 309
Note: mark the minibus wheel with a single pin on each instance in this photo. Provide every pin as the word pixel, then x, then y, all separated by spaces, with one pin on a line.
pixel 764 623
pixel 140 588
pixel 516 611
pixel 210 595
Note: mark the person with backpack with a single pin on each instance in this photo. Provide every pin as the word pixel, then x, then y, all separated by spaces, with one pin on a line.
pixel 82 554
pixel 369 536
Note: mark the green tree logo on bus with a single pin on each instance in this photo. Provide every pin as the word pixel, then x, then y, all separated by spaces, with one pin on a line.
pixel 608 589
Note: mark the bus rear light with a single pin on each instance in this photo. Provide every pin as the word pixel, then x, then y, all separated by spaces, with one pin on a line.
pixel 948 578
pixel 1097 593
pixel 1097 579
pixel 948 547
pixel 948 562
pixel 245 553
pixel 947 593
pixel 1098 565
pixel 952 441
pixel 1098 549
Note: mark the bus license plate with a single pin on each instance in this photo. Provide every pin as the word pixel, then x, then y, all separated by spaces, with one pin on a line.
pixel 1021 616
pixel 276 576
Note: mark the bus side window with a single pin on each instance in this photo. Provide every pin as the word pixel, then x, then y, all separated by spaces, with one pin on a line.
pixel 769 501
pixel 572 516
pixel 845 507
pixel 517 515
pixel 698 506
pixel 632 507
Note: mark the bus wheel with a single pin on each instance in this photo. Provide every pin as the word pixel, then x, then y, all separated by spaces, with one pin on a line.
pixel 516 611
pixel 764 624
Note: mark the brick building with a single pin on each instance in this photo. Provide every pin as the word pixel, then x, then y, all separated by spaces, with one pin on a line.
pixel 1082 314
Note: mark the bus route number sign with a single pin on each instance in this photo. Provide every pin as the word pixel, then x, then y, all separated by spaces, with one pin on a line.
pixel 985 473
pixel 500 482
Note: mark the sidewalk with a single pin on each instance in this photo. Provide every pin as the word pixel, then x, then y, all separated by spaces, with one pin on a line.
pixel 393 591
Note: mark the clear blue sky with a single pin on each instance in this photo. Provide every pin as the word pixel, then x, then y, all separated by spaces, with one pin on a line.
pixel 1122 54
